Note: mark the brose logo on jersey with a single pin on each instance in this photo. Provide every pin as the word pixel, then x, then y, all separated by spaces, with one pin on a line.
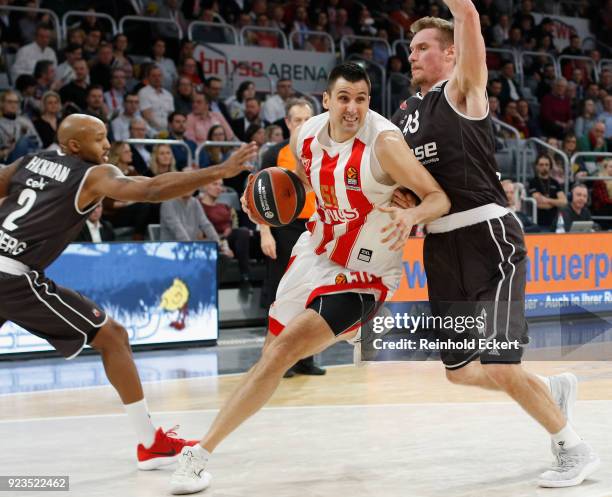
pixel 427 153
pixel 333 216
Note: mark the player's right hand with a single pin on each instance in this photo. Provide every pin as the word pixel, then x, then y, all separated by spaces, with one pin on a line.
pixel 404 199
pixel 268 244
pixel 238 161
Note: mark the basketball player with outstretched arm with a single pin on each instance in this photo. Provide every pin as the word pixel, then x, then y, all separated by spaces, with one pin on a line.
pixel 46 198
pixel 477 254
pixel 353 159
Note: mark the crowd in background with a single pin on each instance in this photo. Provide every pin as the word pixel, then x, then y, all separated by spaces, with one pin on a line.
pixel 153 87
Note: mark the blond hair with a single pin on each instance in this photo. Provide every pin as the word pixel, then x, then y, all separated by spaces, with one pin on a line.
pixel 445 29
pixel 154 164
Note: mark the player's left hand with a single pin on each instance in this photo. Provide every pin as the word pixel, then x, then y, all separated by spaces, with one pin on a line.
pixel 399 228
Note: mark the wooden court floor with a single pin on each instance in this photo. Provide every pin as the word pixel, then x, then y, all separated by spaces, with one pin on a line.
pixel 383 430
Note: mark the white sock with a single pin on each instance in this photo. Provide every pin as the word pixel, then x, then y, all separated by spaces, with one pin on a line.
pixel 545 380
pixel 201 451
pixel 566 438
pixel 138 413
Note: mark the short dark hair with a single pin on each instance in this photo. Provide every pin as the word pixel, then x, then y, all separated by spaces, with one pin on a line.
pixel 41 67
pixel 208 81
pixel 252 98
pixel 349 71
pixel 91 88
pixel 174 114
pixel 72 47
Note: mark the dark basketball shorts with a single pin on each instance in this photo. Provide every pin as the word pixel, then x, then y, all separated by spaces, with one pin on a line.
pixel 64 318
pixel 480 269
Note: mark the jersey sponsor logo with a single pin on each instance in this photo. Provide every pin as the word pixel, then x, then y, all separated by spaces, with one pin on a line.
pixel 427 153
pixel 341 279
pixel 334 215
pixel 352 178
pixel 365 255
pixel 37 183
pixel 49 169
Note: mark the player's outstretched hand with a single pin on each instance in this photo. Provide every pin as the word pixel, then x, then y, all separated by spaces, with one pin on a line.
pixel 398 230
pixel 239 160
pixel 404 198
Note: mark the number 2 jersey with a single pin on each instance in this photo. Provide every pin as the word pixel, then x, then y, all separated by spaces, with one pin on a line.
pixel 346 225
pixel 457 150
pixel 40 216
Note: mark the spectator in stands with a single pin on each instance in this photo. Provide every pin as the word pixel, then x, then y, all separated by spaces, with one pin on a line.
pixel 405 15
pixel 576 210
pixel 236 103
pixel 579 80
pixel 183 95
pixel 514 204
pixel 126 214
pixel 555 111
pixel 140 153
pixel 65 72
pixel 274 106
pixel 587 118
pixel 176 127
pixel 514 119
pixel 273 134
pixel 606 118
pixel 547 192
pixel 277 19
pixel 224 219
pixel 169 9
pixel 186 50
pixel 202 119
pixel 95 103
pixel 574 48
pixel 28 22
pixel 189 69
pixel 592 92
pixel 183 219
pixel 120 125
pixel 212 89
pixel 115 96
pixel 44 74
pixel 501 30
pixel 26 88
pixel 91 44
pixel 50 118
pixel 76 36
pixel 340 27
pixel 211 156
pixel 28 55
pixel 569 147
pixel 91 22
pixel 259 38
pixel 515 40
pixel 95 229
pixel 17 134
pixel 510 86
pixel 594 141
pixel 156 103
pixel 602 195
pixel 547 81
pixel 120 57
pixel 495 89
pixel 605 80
pixel 75 92
pixel 169 73
pixel 162 160
pixel 101 66
pixel 252 110
pixel 524 110
pixel 255 133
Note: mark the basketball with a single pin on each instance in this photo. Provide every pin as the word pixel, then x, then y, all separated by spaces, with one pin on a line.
pixel 275 196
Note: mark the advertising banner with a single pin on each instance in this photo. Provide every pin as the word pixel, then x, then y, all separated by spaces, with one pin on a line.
pixel 307 70
pixel 161 292
pixel 565 27
pixel 563 271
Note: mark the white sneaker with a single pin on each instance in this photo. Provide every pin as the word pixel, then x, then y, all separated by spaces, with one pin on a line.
pixel 190 477
pixel 563 389
pixel 571 468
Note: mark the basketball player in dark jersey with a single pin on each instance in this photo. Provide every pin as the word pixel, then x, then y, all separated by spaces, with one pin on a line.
pixel 476 255
pixel 45 200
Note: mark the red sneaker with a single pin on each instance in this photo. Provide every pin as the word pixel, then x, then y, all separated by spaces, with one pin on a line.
pixel 165 450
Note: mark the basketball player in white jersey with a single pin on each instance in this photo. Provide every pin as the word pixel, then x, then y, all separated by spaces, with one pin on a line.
pixel 353 159
pixel 477 253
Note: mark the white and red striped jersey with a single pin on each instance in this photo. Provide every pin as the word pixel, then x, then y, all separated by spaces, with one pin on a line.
pixel 346 225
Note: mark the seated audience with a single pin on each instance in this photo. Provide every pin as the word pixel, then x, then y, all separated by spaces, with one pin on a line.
pixel 95 229
pixel 547 192
pixel 50 118
pixel 602 195
pixel 576 210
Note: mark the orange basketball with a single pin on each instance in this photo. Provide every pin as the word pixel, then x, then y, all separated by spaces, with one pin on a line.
pixel 275 196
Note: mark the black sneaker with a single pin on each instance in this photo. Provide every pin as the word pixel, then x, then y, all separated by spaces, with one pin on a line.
pixel 308 369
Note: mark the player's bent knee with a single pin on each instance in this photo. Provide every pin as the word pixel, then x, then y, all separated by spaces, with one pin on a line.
pixel 505 375
pixel 111 336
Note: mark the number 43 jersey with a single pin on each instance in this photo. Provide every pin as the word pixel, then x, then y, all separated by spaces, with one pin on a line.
pixel 40 216
pixel 457 150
